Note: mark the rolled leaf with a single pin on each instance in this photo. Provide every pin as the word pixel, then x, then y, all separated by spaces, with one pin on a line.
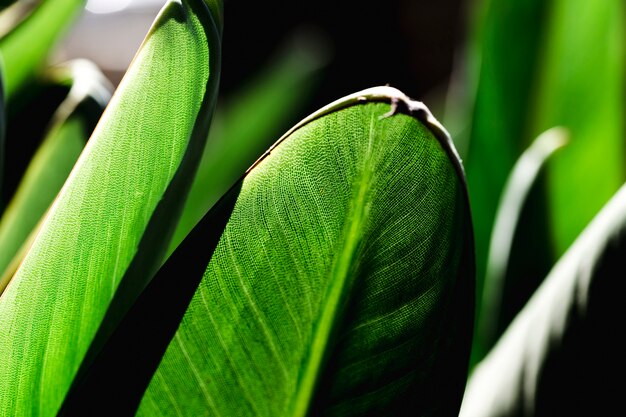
pixel 558 354
pixel 518 261
pixel 26 47
pixel 339 282
pixel 99 236
pixel 66 137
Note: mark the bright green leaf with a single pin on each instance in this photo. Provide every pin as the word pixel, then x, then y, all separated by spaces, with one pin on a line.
pixel 126 188
pixel 342 283
pixel 66 136
pixel 557 356
pixel 26 47
pixel 582 88
pixel 269 105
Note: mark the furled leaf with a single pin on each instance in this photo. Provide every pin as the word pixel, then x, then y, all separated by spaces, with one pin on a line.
pixel 339 282
pixel 269 105
pixel 582 88
pixel 557 356
pixel 518 261
pixel 27 45
pixel 70 128
pixel 99 236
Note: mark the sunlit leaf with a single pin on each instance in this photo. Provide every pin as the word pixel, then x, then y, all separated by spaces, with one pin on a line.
pixel 269 105
pixel 99 235
pixel 557 356
pixel 339 282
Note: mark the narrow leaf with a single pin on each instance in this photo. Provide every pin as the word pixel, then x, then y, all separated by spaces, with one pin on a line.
pixel 126 188
pixel 339 281
pixel 71 126
pixel 502 64
pixel 513 273
pixel 26 47
pixel 555 357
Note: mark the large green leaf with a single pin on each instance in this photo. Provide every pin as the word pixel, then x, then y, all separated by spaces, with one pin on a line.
pixel 582 88
pixel 269 104
pixel 26 47
pixel 559 354
pixel 339 282
pixel 109 227
pixel 518 260
pixel 70 128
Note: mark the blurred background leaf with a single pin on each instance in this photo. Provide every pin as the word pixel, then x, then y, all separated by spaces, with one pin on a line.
pixel 67 132
pixel 519 258
pixel 26 46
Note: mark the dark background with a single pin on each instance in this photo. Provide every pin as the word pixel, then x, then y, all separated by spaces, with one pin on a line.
pixel 408 44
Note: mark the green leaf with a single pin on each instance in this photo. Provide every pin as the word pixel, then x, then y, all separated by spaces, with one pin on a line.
pixel 558 354
pixel 64 140
pixel 582 88
pixel 26 47
pixel 339 282
pixel 99 235
pixel 517 260
pixel 269 104
pixel 502 59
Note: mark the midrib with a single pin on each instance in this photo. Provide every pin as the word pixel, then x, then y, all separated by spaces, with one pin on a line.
pixel 341 282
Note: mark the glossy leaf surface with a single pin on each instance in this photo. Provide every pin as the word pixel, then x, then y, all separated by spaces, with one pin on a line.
pixel 127 187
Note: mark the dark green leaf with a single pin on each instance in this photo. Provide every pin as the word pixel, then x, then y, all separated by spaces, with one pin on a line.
pixel 559 354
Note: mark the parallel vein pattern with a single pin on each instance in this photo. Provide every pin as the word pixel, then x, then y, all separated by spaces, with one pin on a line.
pixel 352 214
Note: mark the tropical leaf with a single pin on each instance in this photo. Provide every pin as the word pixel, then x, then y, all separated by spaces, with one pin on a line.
pixel 339 282
pixel 70 128
pixel 269 104
pixel 99 236
pixel 27 45
pixel 556 356
pixel 518 261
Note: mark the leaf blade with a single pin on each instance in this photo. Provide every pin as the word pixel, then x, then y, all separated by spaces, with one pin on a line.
pixel 130 158
pixel 218 315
